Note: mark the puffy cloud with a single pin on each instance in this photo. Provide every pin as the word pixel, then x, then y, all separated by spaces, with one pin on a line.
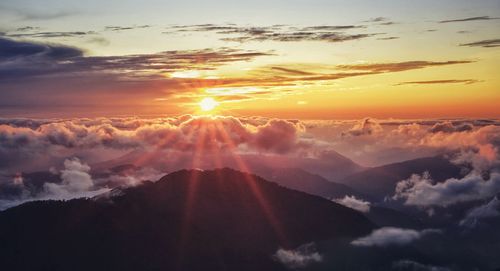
pixel 449 127
pixel 73 181
pixel 277 135
pixel 300 257
pixel 421 190
pixel 388 236
pixel 490 209
pixel 365 127
pixel 76 182
pixel 416 266
pixel 186 133
pixel 354 203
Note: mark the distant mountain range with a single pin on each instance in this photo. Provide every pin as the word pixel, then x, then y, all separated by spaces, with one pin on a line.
pixel 380 182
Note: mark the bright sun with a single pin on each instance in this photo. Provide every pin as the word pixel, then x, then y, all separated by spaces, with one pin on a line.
pixel 208 104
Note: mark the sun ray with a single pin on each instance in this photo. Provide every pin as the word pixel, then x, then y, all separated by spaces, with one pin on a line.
pixel 251 182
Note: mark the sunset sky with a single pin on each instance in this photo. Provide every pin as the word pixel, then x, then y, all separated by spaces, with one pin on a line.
pixel 314 59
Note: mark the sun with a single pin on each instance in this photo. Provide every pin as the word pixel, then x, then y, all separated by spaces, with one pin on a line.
pixel 208 104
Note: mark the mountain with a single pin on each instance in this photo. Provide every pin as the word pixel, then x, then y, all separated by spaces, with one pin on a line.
pixel 301 180
pixel 381 181
pixel 188 220
pixel 333 167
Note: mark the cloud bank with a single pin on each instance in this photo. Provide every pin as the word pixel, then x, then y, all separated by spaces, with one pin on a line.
pixel 389 236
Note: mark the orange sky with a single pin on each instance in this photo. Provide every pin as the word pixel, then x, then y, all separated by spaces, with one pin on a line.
pixel 370 60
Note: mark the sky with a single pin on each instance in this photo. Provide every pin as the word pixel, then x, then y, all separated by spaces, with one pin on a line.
pixel 287 59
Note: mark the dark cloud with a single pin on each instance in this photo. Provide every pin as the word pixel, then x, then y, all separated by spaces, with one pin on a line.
pixel 388 38
pixel 122 28
pixel 11 50
pixel 484 43
pixel 52 34
pixel 380 21
pixel 447 81
pixel 479 18
pixel 283 33
pixel 62 74
pixel 28 28
pixel 21 59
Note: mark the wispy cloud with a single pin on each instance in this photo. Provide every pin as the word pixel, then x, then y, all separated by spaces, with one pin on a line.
pixel 483 43
pixel 52 34
pixel 122 28
pixel 401 66
pixel 283 33
pixel 446 81
pixel 479 18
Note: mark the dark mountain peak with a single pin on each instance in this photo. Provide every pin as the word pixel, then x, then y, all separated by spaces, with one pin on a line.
pixel 380 182
pixel 219 219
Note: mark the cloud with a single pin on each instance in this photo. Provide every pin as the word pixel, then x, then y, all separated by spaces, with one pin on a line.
pixel 451 81
pixel 75 182
pixel 449 127
pixel 15 51
pixel 389 236
pixel 300 258
pixel 354 203
pixel 122 28
pixel 380 21
pixel 65 137
pixel 282 33
pixel 277 135
pixel 470 19
pixel 484 43
pixel 366 126
pixel 53 34
pixel 134 81
pixel 416 266
pixel 421 190
pixel 75 179
pixel 489 209
pixel 400 66
pixel 30 58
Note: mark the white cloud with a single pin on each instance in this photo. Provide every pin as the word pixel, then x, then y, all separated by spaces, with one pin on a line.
pixel 298 258
pixel 354 203
pixel 421 190
pixel 388 236
pixel 76 182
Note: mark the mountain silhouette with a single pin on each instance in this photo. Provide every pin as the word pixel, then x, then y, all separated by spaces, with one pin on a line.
pixel 188 220
pixel 380 182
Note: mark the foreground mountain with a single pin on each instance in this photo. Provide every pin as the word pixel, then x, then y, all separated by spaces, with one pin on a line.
pixel 188 220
